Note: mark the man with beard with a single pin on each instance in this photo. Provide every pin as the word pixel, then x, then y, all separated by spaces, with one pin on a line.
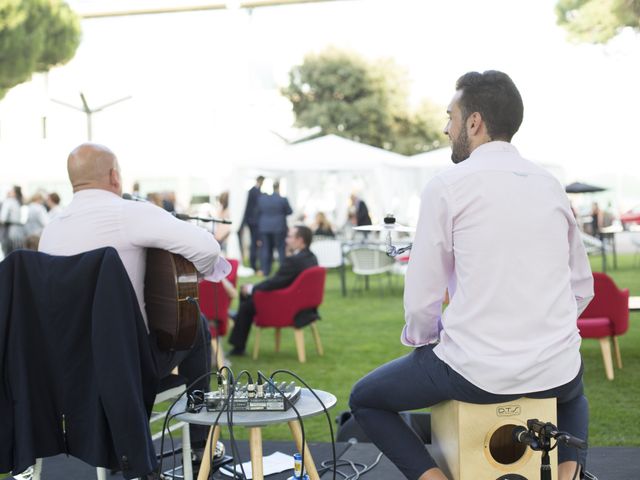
pixel 498 232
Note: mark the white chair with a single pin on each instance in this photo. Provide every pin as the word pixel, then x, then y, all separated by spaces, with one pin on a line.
pixel 635 239
pixel 329 254
pixel 368 261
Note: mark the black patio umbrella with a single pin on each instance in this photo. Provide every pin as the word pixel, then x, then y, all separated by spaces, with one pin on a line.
pixel 579 187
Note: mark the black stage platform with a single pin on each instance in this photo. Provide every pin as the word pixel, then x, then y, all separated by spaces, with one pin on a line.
pixel 607 463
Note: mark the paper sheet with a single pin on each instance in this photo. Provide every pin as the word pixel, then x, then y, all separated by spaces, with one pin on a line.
pixel 275 463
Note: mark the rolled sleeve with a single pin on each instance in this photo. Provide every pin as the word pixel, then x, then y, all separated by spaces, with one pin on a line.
pixel 581 276
pixel 430 267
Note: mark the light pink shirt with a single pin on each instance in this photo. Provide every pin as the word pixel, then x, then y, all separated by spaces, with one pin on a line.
pixel 98 218
pixel 498 232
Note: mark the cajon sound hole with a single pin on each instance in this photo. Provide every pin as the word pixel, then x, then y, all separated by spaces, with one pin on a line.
pixel 502 447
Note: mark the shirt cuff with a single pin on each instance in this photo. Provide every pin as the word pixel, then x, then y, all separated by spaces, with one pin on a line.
pixel 220 270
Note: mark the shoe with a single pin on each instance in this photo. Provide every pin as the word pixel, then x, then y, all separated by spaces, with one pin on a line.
pixel 236 352
pixel 588 476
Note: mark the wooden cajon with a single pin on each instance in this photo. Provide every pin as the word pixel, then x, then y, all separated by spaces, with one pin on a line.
pixel 471 442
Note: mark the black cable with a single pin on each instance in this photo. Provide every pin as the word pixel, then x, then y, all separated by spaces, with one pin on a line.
pixel 326 412
pixel 286 400
pixel 232 440
pixel 575 474
pixel 166 418
pixel 327 464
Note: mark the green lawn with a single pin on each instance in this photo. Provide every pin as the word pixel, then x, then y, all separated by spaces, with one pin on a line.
pixel 361 331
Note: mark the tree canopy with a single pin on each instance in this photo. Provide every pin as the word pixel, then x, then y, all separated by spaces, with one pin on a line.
pixel 597 21
pixel 35 35
pixel 365 101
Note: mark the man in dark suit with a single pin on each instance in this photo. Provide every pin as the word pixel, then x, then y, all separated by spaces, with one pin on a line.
pixel 272 225
pixel 360 210
pixel 250 219
pixel 298 241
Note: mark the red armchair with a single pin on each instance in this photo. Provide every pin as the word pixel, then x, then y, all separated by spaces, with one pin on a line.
pixel 606 317
pixel 214 304
pixel 278 308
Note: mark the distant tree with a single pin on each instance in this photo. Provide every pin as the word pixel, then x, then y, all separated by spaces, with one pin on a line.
pixel 597 21
pixel 35 35
pixel 367 102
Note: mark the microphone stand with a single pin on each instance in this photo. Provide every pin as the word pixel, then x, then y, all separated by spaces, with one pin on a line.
pixel 184 216
pixel 179 216
pixel 541 433
pixel 392 250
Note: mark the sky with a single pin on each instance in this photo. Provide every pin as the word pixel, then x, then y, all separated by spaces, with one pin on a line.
pixel 203 85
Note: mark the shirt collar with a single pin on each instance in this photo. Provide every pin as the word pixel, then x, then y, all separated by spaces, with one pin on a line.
pixel 491 147
pixel 94 192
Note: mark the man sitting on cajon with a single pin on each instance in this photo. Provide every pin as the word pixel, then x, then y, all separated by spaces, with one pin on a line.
pixel 498 232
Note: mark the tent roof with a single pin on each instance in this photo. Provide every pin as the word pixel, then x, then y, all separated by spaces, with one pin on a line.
pixel 329 153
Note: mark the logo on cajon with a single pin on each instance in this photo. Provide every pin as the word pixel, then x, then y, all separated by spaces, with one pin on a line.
pixel 508 410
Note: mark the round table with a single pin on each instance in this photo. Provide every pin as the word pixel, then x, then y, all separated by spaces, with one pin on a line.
pixel 307 406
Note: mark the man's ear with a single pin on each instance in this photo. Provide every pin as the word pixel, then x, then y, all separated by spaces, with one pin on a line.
pixel 114 178
pixel 474 124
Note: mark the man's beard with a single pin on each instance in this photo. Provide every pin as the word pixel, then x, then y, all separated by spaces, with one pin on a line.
pixel 460 149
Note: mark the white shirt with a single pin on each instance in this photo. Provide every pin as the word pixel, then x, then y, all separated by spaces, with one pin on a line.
pixel 98 218
pixel 10 211
pixel 498 232
pixel 37 219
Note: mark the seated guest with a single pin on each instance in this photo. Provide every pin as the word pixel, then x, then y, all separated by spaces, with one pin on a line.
pixel 301 258
pixel 323 226
pixel 99 217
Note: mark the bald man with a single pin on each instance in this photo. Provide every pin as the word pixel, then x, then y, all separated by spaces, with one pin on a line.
pixel 99 217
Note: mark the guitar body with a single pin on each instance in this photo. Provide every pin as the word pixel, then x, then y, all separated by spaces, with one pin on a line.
pixel 169 281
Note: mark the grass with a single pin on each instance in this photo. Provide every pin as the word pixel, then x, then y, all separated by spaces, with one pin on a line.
pixel 361 331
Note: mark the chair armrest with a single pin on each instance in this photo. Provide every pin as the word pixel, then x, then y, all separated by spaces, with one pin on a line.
pixel 620 315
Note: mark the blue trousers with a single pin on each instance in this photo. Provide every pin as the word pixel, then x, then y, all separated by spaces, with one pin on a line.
pixel 271 240
pixel 420 379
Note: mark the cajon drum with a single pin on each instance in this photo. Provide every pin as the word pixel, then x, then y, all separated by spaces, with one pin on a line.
pixel 471 442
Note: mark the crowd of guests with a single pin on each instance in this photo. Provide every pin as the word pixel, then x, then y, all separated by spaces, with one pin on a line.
pixel 265 217
pixel 23 219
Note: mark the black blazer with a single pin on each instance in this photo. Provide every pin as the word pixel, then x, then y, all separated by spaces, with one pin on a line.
pixel 251 209
pixel 291 267
pixel 77 372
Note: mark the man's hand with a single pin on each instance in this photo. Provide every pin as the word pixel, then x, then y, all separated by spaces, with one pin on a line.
pixel 245 290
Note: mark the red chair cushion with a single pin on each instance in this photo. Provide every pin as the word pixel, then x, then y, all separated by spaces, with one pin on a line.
pixel 278 308
pixel 215 302
pixel 597 327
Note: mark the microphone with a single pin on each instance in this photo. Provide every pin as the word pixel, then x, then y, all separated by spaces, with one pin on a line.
pixel 523 435
pixel 184 216
pixel 181 216
pixel 572 441
pixel 134 197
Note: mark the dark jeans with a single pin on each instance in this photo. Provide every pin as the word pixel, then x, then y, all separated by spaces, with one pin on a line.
pixel 420 379
pixel 191 364
pixel 253 246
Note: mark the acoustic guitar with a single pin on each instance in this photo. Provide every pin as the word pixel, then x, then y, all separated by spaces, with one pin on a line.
pixel 170 282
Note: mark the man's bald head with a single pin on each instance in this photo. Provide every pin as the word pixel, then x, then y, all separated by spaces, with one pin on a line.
pixel 94 166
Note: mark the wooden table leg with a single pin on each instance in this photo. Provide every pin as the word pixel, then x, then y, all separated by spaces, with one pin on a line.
pixel 205 464
pixel 255 447
pixel 309 466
